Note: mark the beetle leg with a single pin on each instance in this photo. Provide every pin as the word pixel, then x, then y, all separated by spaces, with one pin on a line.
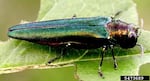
pixel 103 52
pixel 74 16
pixel 141 48
pixel 114 59
pixel 57 57
pixel 101 61
pixel 63 51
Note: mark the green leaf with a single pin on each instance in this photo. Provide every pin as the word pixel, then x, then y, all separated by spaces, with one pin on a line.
pixel 18 53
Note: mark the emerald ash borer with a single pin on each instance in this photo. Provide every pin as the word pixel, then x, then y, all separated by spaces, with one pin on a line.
pixel 79 33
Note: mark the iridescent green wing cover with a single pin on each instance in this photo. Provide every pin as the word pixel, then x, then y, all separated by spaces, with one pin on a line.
pixel 92 26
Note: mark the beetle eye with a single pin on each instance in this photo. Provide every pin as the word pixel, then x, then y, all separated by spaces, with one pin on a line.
pixel 132 34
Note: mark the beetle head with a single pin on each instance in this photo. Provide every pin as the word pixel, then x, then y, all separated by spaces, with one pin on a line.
pixel 123 33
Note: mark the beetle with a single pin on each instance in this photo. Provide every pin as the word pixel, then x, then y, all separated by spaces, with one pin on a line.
pixel 79 33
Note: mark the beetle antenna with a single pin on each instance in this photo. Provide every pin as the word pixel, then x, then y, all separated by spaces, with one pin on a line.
pixel 141 26
pixel 116 15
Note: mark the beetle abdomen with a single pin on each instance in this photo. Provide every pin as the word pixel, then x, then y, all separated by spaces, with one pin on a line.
pixel 78 42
